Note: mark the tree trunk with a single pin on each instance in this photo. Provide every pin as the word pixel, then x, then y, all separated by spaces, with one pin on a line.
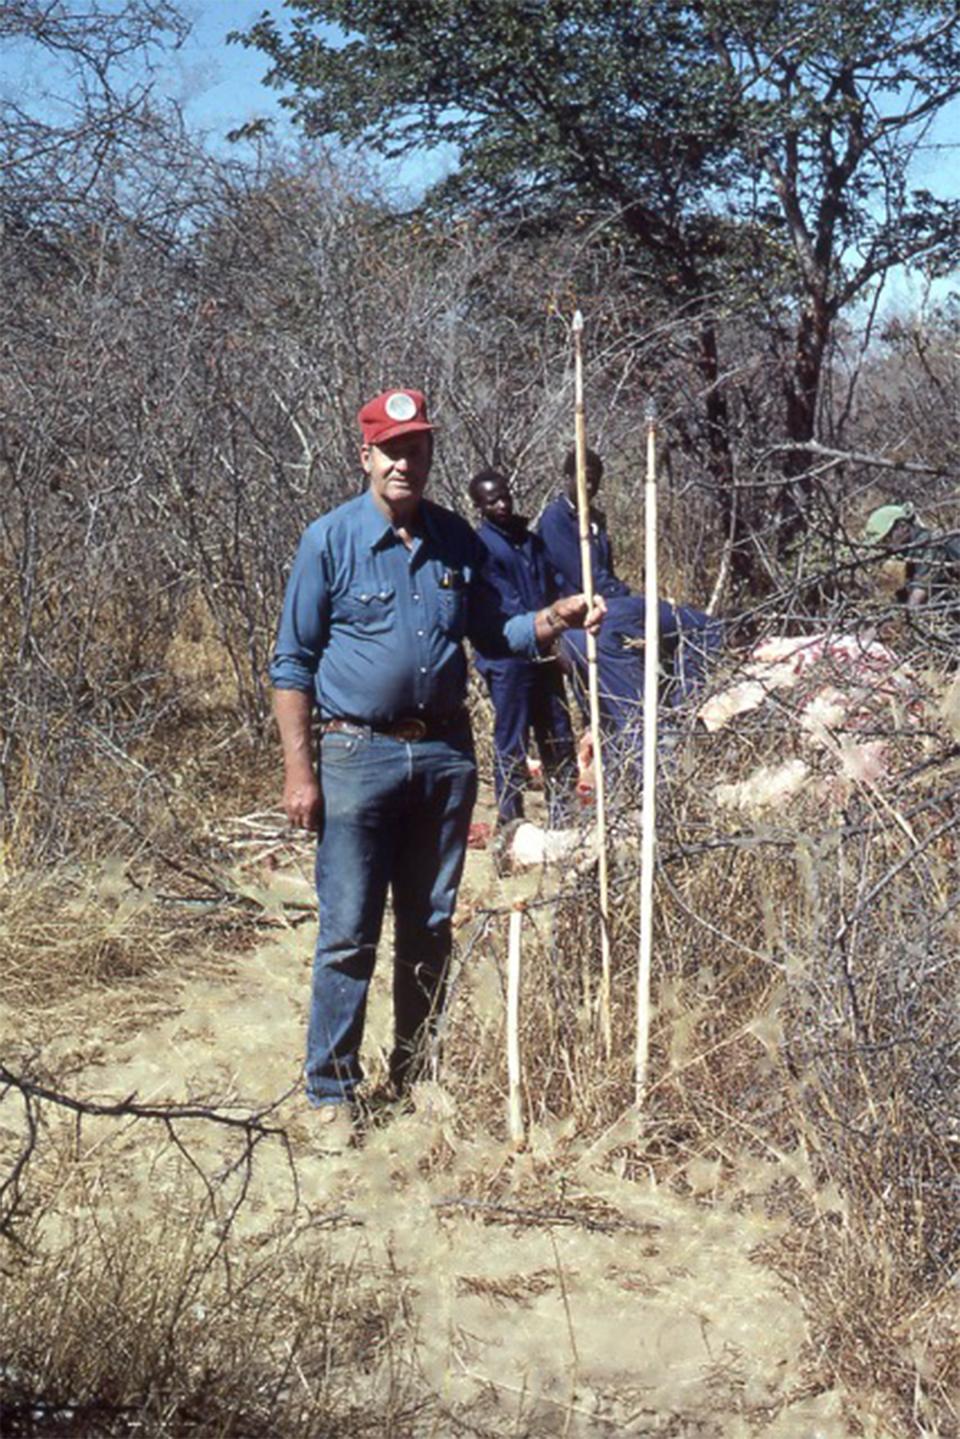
pixel 720 461
pixel 802 394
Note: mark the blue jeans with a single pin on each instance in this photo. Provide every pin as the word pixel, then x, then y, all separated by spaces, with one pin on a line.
pixel 396 816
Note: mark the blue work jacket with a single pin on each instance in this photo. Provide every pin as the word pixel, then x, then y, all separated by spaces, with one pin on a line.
pixel 518 569
pixel 559 530
pixel 375 631
pixel 517 566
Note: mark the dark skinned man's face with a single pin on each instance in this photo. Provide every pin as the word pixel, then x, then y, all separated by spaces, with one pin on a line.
pixel 593 483
pixel 494 500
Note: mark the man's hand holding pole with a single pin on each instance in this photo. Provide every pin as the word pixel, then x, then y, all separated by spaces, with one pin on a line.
pixel 575 612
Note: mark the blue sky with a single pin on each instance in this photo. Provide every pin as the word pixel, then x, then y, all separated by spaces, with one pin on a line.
pixel 218 84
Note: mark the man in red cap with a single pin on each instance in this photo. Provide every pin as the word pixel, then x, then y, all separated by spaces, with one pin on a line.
pixel 383 592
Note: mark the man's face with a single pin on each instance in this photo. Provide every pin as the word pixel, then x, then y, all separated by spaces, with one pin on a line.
pixel 494 500
pixel 398 469
pixel 593 477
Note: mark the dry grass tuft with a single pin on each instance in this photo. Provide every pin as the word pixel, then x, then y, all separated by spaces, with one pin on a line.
pixel 71 932
pixel 121 1325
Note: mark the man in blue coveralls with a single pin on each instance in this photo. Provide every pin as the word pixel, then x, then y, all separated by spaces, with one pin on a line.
pixel 526 695
pixel 689 636
pixel 384 590
pixel 559 528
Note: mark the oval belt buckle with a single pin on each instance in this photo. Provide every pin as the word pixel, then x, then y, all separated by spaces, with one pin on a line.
pixel 410 730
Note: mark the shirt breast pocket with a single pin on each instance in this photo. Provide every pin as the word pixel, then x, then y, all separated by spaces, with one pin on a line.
pixel 372 611
pixel 453 611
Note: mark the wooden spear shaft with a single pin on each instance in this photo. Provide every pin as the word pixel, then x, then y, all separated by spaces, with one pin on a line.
pixel 514 1074
pixel 593 683
pixel 648 816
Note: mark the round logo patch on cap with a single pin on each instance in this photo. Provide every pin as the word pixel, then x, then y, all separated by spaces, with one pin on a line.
pixel 401 407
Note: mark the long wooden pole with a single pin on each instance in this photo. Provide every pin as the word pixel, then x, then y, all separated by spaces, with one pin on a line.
pixel 648 816
pixel 514 1077
pixel 593 683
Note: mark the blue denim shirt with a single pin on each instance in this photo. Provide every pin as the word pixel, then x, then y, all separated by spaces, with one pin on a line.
pixel 375 631
pixel 559 528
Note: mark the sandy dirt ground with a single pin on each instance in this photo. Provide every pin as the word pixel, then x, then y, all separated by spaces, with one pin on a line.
pixel 663 1321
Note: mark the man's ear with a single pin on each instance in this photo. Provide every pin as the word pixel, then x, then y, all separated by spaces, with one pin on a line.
pixel 365 458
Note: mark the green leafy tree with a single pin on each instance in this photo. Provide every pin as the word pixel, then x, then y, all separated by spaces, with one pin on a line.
pixel 746 149
pixel 834 101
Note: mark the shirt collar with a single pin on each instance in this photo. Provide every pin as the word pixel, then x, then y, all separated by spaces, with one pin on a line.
pixel 375 528
pixel 575 510
pixel 377 531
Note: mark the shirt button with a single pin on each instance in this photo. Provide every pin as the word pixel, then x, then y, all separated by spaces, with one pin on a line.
pixel 423 669
pixel 417 598
pixel 420 633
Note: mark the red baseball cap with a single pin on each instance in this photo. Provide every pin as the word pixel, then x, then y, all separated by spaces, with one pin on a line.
pixel 395 412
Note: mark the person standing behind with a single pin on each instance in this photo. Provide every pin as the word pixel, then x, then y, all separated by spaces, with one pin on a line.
pixel 559 528
pixel 689 636
pixel 525 695
pixel 931 574
pixel 383 592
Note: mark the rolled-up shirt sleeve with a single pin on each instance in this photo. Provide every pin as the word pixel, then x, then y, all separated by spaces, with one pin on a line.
pixel 305 619
pixel 520 632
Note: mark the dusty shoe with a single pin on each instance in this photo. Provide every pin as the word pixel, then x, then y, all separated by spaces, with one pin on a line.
pixel 336 1127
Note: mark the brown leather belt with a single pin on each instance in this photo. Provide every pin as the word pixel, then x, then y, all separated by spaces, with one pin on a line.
pixel 408 731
